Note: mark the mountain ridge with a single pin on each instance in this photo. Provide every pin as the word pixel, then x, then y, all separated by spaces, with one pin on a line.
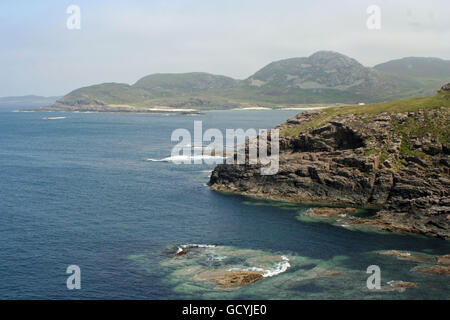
pixel 323 77
pixel 12 103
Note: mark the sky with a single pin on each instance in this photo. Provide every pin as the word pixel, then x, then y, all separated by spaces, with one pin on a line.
pixel 122 41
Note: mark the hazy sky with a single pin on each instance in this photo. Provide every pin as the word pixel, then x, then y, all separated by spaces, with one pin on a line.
pixel 121 41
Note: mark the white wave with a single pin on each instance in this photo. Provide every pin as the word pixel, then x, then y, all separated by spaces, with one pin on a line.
pixel 279 268
pixel 193 246
pixel 187 159
pixel 155 160
pixel 53 118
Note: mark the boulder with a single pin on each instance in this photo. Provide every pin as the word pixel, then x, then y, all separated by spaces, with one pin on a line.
pixel 228 278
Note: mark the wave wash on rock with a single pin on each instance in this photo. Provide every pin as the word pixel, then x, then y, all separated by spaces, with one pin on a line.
pixel 240 147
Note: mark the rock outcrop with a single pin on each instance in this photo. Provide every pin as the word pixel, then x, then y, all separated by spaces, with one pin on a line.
pixel 228 278
pixel 446 87
pixel 402 284
pixel 397 162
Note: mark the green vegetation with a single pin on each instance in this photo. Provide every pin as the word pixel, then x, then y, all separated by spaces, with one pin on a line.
pixel 324 77
pixel 417 68
pixel 437 127
pixel 184 82
pixel 383 153
pixel 405 149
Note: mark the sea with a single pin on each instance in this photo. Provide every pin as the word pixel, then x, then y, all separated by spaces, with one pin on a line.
pixel 99 191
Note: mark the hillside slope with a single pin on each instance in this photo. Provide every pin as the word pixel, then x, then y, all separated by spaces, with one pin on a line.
pixel 322 70
pixel 175 90
pixel 423 74
pixel 417 67
pixel 324 77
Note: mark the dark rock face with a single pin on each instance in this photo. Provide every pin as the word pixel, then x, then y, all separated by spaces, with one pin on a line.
pixel 352 161
pixel 446 87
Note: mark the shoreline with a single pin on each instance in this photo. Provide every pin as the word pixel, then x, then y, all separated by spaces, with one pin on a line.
pixel 173 111
pixel 117 111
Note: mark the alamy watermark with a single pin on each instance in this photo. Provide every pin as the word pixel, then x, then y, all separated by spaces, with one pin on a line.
pixel 374 20
pixel 74 20
pixel 74 280
pixel 239 147
pixel 374 281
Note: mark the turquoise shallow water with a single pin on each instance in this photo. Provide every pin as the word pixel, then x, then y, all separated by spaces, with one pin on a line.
pixel 79 190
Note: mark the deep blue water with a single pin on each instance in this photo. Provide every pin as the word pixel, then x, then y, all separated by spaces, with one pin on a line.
pixel 80 191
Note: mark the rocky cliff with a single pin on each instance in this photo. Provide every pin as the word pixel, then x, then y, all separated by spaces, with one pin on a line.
pixel 391 156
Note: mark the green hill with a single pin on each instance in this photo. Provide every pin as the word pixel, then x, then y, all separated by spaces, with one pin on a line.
pixel 423 74
pixel 322 78
pixel 184 83
pixel 416 67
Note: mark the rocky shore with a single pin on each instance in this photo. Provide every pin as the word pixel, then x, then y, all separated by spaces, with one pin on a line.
pixel 394 157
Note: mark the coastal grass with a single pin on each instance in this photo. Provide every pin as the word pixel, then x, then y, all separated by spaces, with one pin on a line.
pixel 437 127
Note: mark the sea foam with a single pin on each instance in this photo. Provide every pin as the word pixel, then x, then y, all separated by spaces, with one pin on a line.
pixel 186 159
pixel 279 268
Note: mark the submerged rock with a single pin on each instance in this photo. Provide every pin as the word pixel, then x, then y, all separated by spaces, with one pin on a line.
pixel 416 257
pixel 345 217
pixel 445 259
pixel 438 269
pixel 427 263
pixel 228 267
pixel 402 284
pixel 329 212
pixel 329 273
